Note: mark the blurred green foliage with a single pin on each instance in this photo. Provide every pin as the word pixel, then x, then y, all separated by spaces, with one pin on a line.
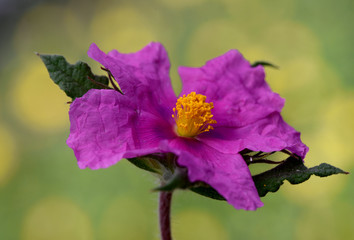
pixel 44 195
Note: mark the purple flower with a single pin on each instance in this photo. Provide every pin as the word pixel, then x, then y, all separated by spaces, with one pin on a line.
pixel 224 107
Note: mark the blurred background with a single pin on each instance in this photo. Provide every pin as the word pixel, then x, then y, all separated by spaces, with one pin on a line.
pixel 44 195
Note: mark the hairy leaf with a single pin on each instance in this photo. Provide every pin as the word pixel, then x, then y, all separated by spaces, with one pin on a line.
pixel 292 170
pixel 72 79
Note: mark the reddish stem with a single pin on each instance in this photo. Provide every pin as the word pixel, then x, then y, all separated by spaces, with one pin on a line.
pixel 164 211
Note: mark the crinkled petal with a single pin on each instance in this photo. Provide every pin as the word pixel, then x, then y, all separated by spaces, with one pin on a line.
pixel 105 125
pixel 268 134
pixel 143 76
pixel 239 92
pixel 226 173
pixel 148 130
pixel 100 128
pixel 273 134
pixel 160 148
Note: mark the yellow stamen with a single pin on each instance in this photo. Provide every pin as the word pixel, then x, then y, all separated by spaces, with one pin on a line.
pixel 193 115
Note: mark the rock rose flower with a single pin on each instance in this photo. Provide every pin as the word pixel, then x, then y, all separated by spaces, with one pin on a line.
pixel 224 107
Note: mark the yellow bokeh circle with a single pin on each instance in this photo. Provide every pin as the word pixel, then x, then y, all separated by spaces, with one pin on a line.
pixel 122 28
pixel 288 40
pixel 49 28
pixel 56 218
pixel 7 155
pixel 326 222
pixel 332 143
pixel 337 130
pixel 315 190
pixel 36 101
pixel 213 39
pixel 181 3
pixel 196 224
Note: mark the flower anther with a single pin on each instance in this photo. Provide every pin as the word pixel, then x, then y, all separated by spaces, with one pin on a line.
pixel 193 115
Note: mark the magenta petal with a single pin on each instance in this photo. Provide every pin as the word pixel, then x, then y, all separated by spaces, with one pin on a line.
pixel 273 134
pixel 142 76
pixel 267 135
pixel 105 127
pixel 238 91
pixel 132 153
pixel 100 128
pixel 149 130
pixel 226 173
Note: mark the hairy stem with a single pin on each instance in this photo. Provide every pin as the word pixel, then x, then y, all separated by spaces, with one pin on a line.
pixel 164 211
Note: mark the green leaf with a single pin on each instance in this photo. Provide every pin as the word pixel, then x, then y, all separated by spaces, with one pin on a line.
pixel 264 64
pixel 72 79
pixel 292 170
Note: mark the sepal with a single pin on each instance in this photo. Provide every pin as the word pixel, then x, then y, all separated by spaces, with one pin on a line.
pixel 294 171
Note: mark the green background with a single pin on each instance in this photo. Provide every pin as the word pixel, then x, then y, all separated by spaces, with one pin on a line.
pixel 44 195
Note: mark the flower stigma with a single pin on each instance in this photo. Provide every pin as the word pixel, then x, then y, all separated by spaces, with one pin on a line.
pixel 193 115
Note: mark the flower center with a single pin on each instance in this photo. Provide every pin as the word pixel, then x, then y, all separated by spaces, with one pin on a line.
pixel 193 115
